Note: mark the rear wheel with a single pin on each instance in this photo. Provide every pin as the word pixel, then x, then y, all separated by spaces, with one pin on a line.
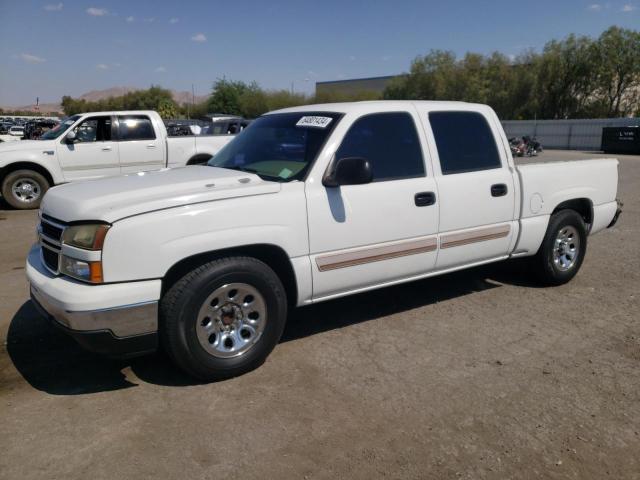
pixel 223 318
pixel 24 189
pixel 563 248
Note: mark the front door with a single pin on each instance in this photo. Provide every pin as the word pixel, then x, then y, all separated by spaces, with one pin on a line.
pixel 381 232
pixel 93 153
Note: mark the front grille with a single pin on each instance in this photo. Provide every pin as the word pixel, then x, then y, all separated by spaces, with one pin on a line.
pixel 50 258
pixel 50 232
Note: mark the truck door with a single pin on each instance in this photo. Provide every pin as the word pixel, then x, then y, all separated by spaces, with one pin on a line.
pixel 93 154
pixel 141 149
pixel 384 231
pixel 476 187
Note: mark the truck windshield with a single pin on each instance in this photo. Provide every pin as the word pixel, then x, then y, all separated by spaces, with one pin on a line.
pixel 60 128
pixel 279 147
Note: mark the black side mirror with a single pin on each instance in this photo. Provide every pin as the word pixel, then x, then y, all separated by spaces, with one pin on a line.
pixel 349 171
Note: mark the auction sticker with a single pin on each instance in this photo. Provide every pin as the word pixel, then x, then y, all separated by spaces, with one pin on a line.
pixel 313 121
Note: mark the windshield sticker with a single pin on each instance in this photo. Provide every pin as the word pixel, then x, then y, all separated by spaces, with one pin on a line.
pixel 285 173
pixel 315 122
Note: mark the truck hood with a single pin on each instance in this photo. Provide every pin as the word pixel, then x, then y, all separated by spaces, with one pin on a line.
pixel 114 198
pixel 23 145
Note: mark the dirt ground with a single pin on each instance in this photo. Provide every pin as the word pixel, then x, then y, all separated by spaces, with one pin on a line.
pixel 477 374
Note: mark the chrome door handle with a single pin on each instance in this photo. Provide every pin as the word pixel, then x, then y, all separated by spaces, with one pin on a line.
pixel 106 149
pixel 151 145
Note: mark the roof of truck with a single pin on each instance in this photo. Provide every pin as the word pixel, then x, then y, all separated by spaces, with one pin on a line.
pixel 383 105
pixel 120 112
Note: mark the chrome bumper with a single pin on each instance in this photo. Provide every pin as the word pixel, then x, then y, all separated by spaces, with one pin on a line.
pixel 121 321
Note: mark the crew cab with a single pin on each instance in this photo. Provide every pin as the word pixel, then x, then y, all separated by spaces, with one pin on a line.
pixel 307 204
pixel 96 144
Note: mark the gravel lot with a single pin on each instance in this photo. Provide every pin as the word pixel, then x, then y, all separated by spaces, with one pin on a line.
pixel 478 374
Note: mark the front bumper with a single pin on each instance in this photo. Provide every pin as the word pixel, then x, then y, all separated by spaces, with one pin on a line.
pixel 114 319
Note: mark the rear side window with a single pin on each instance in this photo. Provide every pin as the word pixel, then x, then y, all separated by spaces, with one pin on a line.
pixel 135 127
pixel 465 142
pixel 389 141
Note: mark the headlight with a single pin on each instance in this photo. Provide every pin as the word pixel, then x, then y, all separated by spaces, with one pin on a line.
pixel 89 237
pixel 85 266
pixel 81 270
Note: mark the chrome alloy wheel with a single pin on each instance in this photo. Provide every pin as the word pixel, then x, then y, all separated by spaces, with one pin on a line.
pixel 231 320
pixel 566 248
pixel 26 190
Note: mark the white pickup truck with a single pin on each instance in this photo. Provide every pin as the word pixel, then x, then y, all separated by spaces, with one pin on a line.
pixel 93 145
pixel 306 205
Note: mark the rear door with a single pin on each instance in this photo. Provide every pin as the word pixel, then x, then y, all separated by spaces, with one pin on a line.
pixel 475 185
pixel 141 149
pixel 93 154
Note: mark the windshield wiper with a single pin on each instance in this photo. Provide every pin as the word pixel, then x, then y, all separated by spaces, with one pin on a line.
pixel 253 170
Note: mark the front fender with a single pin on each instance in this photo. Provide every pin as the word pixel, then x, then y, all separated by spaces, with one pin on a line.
pixel 45 157
pixel 147 246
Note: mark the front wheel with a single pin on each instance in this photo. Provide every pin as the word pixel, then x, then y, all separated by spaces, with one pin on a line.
pixel 24 189
pixel 563 248
pixel 223 318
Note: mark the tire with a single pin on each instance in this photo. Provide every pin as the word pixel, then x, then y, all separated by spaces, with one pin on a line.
pixel 199 160
pixel 205 296
pixel 563 249
pixel 35 186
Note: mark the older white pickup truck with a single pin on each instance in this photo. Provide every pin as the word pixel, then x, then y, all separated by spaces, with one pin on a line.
pixel 93 145
pixel 307 204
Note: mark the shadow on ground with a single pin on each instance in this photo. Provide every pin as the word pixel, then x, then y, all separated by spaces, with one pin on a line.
pixel 52 362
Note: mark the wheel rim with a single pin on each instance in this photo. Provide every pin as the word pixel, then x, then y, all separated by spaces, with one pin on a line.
pixel 231 320
pixel 566 248
pixel 26 190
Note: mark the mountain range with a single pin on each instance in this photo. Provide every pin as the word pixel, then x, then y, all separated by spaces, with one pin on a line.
pixel 180 97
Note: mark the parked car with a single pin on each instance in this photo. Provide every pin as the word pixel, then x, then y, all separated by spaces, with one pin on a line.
pixel 220 124
pixel 93 145
pixel 16 131
pixel 34 129
pixel 308 204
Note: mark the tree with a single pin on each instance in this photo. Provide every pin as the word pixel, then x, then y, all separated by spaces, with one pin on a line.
pixel 253 102
pixel 564 83
pixel 151 99
pixel 616 58
pixel 576 77
pixel 225 97
pixel 167 108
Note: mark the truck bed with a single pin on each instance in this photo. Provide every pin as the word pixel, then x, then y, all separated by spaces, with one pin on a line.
pixel 546 185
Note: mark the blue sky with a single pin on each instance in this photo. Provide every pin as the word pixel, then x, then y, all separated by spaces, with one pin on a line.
pixel 55 47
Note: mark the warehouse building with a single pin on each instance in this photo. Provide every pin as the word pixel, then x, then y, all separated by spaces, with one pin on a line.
pixel 355 85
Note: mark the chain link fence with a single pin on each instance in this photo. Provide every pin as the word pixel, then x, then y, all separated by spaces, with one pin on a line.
pixel 566 134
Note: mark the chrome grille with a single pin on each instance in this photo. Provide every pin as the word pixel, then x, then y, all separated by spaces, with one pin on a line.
pixel 50 233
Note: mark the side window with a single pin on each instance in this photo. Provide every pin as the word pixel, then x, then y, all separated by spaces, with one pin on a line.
pixel 389 141
pixel 135 127
pixel 94 129
pixel 219 128
pixel 465 142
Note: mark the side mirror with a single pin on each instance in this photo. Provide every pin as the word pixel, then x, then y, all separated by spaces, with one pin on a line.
pixel 349 171
pixel 70 137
